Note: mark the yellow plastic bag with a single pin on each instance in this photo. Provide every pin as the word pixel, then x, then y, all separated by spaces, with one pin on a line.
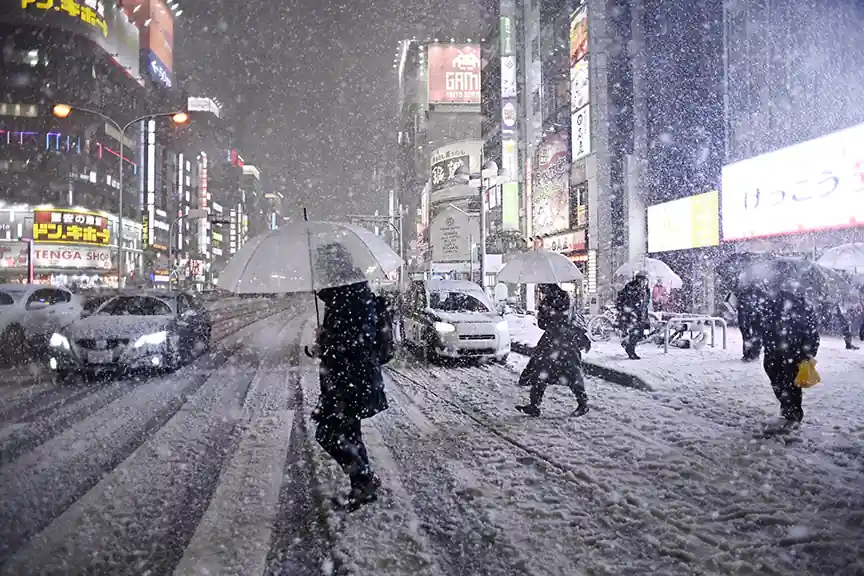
pixel 807 374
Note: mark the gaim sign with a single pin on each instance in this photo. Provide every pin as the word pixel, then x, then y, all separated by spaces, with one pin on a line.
pixel 454 74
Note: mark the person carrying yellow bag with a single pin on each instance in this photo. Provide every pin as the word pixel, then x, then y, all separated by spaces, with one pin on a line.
pixel 790 338
pixel 807 374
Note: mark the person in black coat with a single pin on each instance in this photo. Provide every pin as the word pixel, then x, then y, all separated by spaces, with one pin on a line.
pixel 751 300
pixel 632 304
pixel 352 385
pixel 832 311
pixel 790 335
pixel 557 358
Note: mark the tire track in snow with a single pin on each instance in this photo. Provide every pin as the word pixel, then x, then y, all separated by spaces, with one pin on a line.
pixel 66 405
pixel 680 492
pixel 41 484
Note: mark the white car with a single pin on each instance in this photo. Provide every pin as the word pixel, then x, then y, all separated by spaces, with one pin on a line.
pixel 454 319
pixel 30 314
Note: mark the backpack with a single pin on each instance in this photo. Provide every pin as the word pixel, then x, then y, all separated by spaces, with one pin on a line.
pixel 384 330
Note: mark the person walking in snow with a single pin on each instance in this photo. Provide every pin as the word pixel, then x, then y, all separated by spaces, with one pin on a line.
pixel 790 335
pixel 557 358
pixel 831 311
pixel 632 304
pixel 352 386
pixel 751 300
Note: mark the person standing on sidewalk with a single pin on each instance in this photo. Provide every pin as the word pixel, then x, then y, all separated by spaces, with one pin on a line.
pixel 831 311
pixel 632 304
pixel 557 358
pixel 659 296
pixel 352 386
pixel 790 335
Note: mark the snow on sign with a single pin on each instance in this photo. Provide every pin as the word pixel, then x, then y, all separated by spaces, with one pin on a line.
pixel 454 74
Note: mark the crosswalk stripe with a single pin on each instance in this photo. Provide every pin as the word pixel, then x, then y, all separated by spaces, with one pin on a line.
pixel 234 534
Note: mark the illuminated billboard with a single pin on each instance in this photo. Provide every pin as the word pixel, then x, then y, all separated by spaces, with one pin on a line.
pixel 70 227
pixel 811 186
pixel 99 21
pixel 580 87
pixel 154 19
pixel 692 222
pixel 454 74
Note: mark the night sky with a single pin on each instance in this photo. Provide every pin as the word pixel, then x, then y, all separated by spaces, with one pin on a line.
pixel 309 86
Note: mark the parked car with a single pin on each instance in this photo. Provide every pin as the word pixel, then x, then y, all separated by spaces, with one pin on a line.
pixel 29 314
pixel 454 319
pixel 133 330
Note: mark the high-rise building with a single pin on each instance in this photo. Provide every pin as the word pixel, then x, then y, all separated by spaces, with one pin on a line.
pixel 60 177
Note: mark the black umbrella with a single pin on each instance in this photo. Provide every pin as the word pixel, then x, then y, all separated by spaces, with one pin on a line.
pixel 797 276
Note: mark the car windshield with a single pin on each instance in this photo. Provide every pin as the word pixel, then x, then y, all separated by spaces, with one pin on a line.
pixel 457 302
pixel 94 303
pixel 7 298
pixel 135 306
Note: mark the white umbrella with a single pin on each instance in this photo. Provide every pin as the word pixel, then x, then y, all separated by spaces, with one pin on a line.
pixel 303 257
pixel 539 267
pixel 846 257
pixel 655 269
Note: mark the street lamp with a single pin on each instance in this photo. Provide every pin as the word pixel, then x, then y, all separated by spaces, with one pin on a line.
pixel 64 110
pixel 488 173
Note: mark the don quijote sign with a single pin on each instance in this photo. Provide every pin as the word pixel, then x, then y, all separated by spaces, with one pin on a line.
pixel 454 74
pixel 77 257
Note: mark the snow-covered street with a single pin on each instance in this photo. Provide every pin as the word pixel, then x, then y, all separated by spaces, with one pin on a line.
pixel 214 470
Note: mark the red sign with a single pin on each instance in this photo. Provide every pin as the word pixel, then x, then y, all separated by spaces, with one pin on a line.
pixel 454 74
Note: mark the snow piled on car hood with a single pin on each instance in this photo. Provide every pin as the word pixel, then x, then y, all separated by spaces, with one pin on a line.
pixel 468 317
pixel 105 327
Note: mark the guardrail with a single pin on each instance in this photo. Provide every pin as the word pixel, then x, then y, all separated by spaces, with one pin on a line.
pixel 698 320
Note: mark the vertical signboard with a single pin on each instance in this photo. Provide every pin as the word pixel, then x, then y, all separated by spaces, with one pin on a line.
pixel 454 74
pixel 580 92
pixel 551 201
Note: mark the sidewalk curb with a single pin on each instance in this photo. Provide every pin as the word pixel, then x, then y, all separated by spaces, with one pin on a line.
pixel 612 375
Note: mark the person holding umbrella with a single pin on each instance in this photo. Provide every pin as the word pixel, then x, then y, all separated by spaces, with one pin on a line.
pixel 632 304
pixel 352 386
pixel 557 358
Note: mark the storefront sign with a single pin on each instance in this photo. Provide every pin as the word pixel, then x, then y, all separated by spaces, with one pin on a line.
pixel 79 257
pixel 811 186
pixel 69 227
pixel 684 224
pixel 563 243
pixel 445 161
pixel 13 254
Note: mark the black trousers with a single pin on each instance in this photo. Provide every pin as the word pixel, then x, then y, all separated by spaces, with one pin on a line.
pixel 781 370
pixel 342 439
pixel 748 323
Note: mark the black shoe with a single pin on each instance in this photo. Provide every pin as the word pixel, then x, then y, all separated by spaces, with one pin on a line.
pixel 363 493
pixel 749 358
pixel 581 410
pixel 529 409
pixel 633 356
pixel 850 346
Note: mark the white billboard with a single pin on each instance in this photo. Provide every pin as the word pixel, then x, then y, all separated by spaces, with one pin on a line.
pixel 580 125
pixel 811 186
pixel 66 256
pixel 451 234
pixel 203 105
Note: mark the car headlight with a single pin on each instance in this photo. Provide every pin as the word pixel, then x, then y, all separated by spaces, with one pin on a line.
pixel 154 339
pixel 501 326
pixel 59 341
pixel 444 327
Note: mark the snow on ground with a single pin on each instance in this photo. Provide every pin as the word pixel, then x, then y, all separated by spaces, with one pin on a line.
pixel 667 482
pixel 717 384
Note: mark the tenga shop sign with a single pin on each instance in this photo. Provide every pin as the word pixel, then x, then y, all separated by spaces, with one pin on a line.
pixel 75 257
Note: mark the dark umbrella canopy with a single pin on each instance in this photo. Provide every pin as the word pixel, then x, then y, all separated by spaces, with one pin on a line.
pixel 797 276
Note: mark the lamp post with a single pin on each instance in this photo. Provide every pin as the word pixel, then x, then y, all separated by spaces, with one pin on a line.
pixel 64 110
pixel 193 214
pixel 489 175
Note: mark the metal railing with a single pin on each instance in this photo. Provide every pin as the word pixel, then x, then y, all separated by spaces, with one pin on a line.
pixel 698 320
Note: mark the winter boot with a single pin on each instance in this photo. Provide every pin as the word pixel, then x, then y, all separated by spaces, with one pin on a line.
pixel 363 491
pixel 631 354
pixel 529 409
pixel 582 409
pixel 850 346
